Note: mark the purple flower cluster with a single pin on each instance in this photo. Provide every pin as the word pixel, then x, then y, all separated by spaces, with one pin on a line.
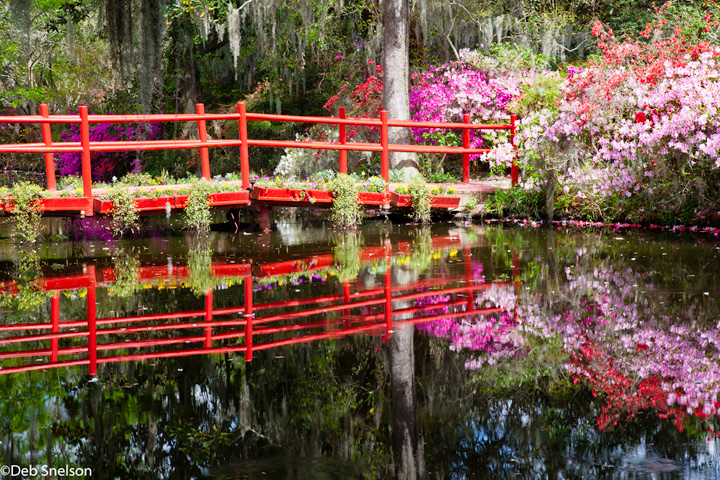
pixel 105 165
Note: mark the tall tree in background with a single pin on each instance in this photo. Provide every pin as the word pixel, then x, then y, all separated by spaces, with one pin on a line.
pixel 396 77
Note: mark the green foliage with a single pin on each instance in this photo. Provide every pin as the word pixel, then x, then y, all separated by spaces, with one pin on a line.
pixel 519 56
pixel 200 266
pixel 69 182
pixel 326 175
pixel 517 201
pixel 442 177
pixel 422 253
pixel 470 205
pixel 420 199
pixel 440 190
pixel 126 274
pixel 124 215
pixel 374 184
pixel 347 256
pixel 29 295
pixel 543 92
pixel 197 212
pixel 432 164
pixel 396 176
pixel 27 212
pixel 138 179
pixel 346 212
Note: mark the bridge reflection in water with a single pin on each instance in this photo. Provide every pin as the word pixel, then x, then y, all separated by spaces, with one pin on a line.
pixel 247 327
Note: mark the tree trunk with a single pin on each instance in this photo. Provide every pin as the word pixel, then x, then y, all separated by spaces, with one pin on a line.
pixel 187 88
pixel 396 81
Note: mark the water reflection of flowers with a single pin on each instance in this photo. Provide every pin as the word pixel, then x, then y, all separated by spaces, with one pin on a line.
pixel 633 356
pixel 493 336
pixel 295 279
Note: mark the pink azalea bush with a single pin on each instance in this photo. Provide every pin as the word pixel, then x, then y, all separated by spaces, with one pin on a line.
pixel 447 92
pixel 442 94
pixel 490 337
pixel 636 135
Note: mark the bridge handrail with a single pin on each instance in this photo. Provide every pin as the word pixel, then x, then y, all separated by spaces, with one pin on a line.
pixel 85 147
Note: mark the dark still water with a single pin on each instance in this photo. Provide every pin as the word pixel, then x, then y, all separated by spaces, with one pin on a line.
pixel 390 352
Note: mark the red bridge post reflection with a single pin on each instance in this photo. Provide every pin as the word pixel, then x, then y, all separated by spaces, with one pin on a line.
pixel 239 328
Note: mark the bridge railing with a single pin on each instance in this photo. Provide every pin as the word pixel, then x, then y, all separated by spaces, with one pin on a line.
pixel 86 147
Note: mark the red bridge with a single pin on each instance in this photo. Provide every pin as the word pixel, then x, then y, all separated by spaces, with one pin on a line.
pixel 167 195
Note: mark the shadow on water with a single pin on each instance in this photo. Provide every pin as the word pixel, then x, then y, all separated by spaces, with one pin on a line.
pixel 390 352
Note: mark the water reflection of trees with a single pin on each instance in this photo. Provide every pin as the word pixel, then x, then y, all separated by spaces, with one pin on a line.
pixel 522 416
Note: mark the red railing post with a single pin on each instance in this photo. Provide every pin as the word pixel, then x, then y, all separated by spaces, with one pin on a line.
pixel 385 154
pixel 92 319
pixel 466 156
pixel 388 294
pixel 55 326
pixel 208 317
pixel 343 141
pixel 202 133
pixel 514 169
pixel 86 167
pixel 244 152
pixel 47 139
pixel 248 281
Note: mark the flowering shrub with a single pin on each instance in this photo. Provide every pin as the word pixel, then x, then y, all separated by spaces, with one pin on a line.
pixel 444 94
pixel 637 131
pixel 634 357
pixel 301 162
pixel 105 165
pixel 364 101
pixel 447 92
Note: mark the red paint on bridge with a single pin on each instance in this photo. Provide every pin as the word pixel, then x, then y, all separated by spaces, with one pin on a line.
pixel 89 203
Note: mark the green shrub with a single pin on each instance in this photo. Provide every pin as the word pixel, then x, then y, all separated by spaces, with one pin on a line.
pixel 420 199
pixel 197 211
pixel 27 212
pixel 517 201
pixel 346 212
pixel 443 177
pixel 30 294
pixel 126 275
pixel 347 256
pixel 124 215
pixel 200 266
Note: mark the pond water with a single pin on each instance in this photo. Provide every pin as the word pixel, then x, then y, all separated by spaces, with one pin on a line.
pixel 391 352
